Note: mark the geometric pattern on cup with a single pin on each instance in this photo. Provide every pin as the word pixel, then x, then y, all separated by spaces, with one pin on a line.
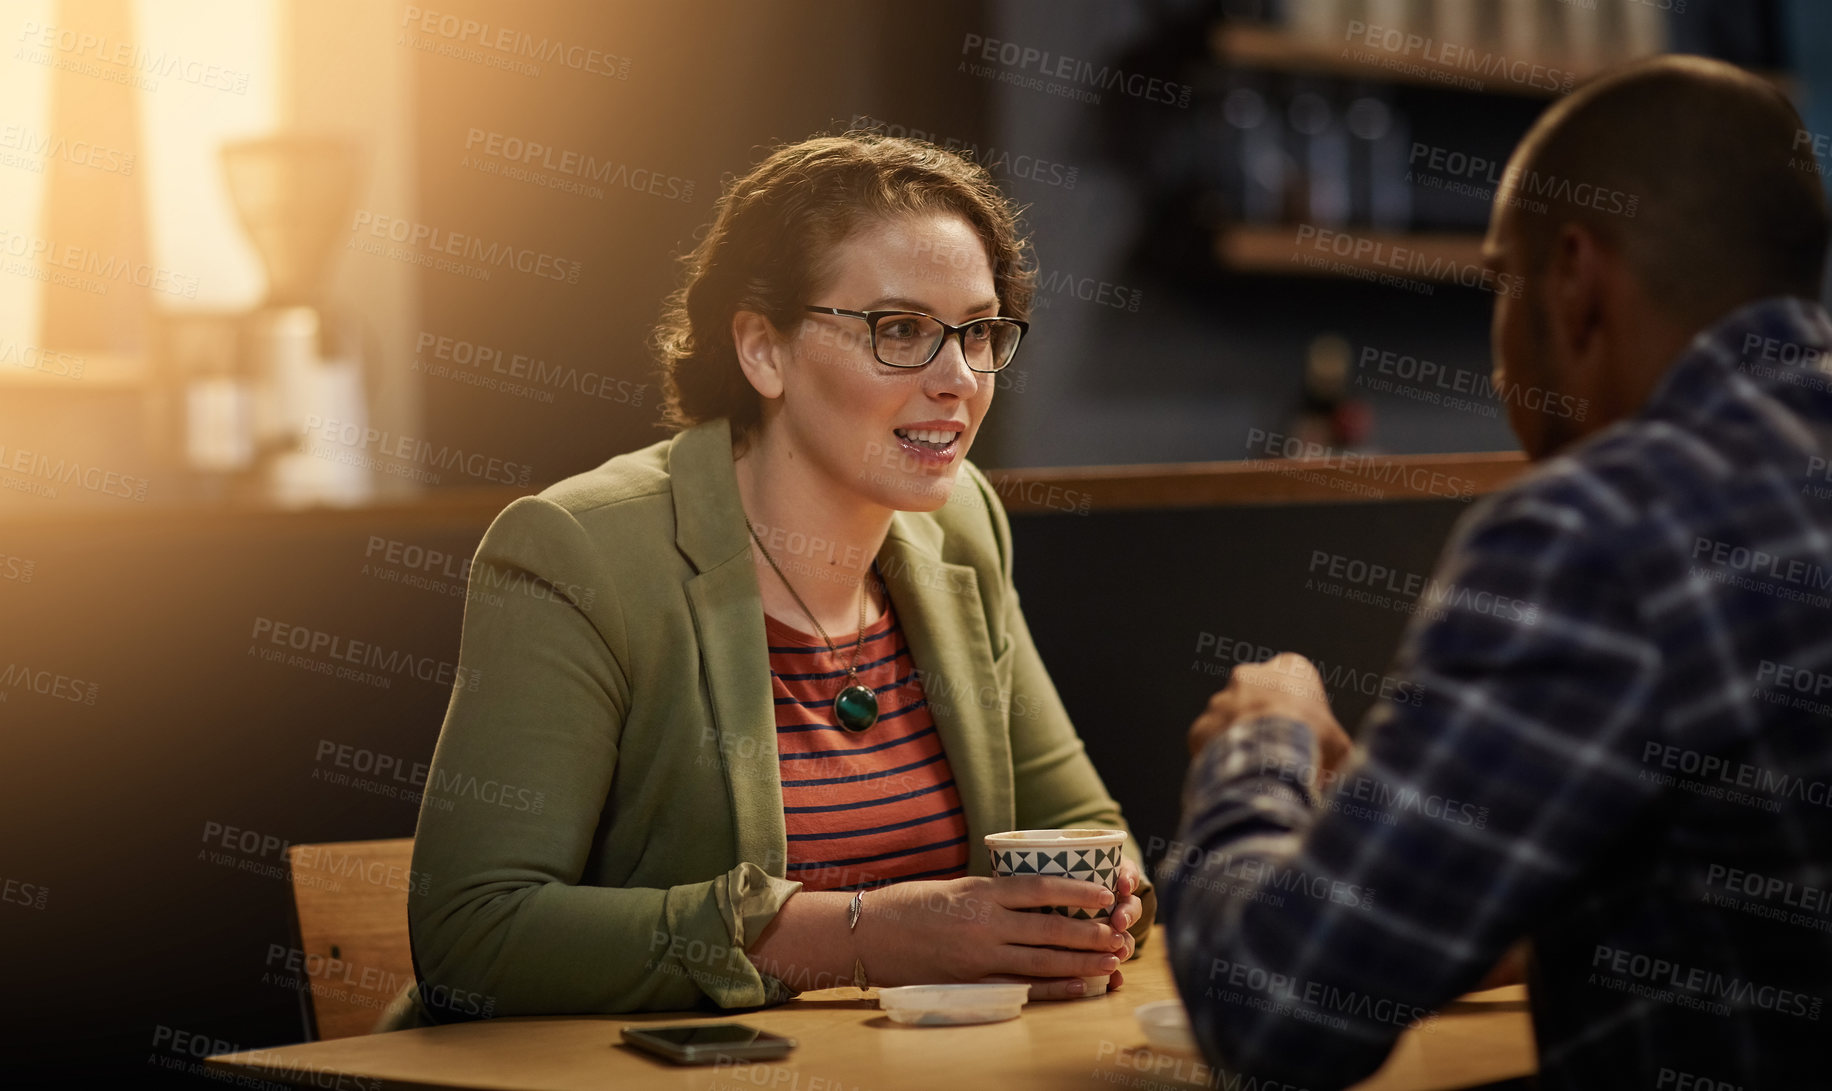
pixel 1094 865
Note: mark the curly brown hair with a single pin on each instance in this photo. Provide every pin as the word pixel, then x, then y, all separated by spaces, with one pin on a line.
pixel 772 232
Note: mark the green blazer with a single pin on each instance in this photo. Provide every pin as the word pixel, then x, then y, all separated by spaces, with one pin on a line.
pixel 602 828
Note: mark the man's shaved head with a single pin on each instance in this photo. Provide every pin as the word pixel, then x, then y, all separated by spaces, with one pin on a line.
pixel 1696 171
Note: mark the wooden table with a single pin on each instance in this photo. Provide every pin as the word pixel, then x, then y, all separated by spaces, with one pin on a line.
pixel 848 1045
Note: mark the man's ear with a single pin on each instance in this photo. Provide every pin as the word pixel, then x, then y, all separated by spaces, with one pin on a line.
pixel 1579 290
pixel 761 352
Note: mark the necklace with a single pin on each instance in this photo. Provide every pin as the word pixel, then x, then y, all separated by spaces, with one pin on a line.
pixel 856 706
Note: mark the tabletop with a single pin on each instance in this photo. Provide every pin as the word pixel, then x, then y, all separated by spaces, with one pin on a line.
pixel 848 1045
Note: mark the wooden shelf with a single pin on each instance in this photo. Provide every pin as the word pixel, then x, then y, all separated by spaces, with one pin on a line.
pixel 1446 257
pixel 1281 51
pixel 1340 478
pixel 1255 46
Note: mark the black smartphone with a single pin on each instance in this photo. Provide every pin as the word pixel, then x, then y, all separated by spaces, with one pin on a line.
pixel 704 1043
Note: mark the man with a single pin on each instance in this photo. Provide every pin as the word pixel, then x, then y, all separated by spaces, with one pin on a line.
pixel 1623 749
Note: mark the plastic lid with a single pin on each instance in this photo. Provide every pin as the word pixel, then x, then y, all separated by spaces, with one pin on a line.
pixel 952 1005
pixel 1167 1026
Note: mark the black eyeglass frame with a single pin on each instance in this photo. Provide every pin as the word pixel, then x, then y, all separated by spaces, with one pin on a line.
pixel 959 333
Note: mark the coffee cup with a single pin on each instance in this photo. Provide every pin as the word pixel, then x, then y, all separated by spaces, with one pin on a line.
pixel 1091 855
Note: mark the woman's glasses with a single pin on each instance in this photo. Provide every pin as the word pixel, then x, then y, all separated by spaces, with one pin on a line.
pixel 912 339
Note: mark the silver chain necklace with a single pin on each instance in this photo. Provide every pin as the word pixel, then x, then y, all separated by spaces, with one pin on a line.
pixel 855 706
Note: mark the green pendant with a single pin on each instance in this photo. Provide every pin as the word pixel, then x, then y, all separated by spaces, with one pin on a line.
pixel 856 707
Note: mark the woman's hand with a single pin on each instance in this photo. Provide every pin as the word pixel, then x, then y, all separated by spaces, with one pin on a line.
pixel 1127 909
pixel 976 929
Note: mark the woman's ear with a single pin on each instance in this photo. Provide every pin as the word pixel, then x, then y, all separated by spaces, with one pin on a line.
pixel 761 352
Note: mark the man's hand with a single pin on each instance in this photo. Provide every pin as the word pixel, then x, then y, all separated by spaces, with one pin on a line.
pixel 1286 685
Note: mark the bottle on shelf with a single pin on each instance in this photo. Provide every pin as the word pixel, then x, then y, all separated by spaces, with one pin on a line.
pixel 1403 15
pixel 1262 165
pixel 1519 26
pixel 1455 22
pixel 1321 148
pixel 1328 412
pixel 1323 20
pixel 1552 30
pixel 1378 150
pixel 1591 36
pixel 1644 30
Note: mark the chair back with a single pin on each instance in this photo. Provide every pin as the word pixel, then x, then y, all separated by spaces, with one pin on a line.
pixel 352 955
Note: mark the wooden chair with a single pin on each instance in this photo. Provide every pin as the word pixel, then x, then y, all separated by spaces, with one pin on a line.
pixel 351 956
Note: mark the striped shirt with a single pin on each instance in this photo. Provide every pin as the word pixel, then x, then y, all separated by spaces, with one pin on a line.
pixel 1623 751
pixel 870 808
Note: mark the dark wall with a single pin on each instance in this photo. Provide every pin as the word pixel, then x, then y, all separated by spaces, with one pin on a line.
pixel 1139 616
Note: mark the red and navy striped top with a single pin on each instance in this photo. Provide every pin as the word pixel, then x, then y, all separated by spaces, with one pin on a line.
pixel 869 808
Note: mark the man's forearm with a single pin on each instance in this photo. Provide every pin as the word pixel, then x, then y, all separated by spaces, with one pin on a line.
pixel 1258 757
pixel 1232 880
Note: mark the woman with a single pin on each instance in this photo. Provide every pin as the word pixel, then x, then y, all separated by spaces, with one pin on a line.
pixel 770 684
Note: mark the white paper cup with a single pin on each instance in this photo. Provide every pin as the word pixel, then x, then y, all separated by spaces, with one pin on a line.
pixel 1092 855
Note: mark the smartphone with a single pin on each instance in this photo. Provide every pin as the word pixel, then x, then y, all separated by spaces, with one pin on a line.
pixel 704 1043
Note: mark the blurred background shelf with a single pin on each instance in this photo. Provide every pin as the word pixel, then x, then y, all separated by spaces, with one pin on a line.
pixel 1329 480
pixel 1256 45
pixel 1272 49
pixel 1278 251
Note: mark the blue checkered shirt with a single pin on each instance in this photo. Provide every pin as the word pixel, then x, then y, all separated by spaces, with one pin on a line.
pixel 1614 739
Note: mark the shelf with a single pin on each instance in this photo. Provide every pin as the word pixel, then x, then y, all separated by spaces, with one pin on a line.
pixel 1482 71
pixel 1339 478
pixel 1447 257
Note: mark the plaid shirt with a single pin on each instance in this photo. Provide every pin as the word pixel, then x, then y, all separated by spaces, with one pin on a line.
pixel 1614 737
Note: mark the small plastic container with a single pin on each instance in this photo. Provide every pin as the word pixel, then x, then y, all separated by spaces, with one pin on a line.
pixel 1167 1027
pixel 953 1005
